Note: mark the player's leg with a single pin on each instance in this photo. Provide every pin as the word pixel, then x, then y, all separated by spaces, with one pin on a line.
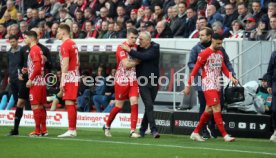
pixel 134 116
pixel 70 96
pixel 54 104
pixel 219 123
pixel 44 131
pixel 37 119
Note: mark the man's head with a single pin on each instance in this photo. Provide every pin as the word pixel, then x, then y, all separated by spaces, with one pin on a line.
pixel 203 22
pixel 34 13
pixel 218 27
pixel 256 6
pixel 120 11
pixel 211 10
pixel 29 13
pixel 229 9
pixel 205 34
pixel 250 23
pixel 132 35
pixel 41 14
pixel 14 29
pixel 87 13
pixel 144 39
pixel 170 13
pixel 181 8
pixel 10 5
pixel 216 41
pixel 88 26
pixel 271 9
pixel 273 22
pixel 264 80
pixel 104 26
pixel 79 14
pixel 149 26
pixel 103 12
pixel 23 26
pixel 13 41
pixel 130 24
pixel 30 37
pixel 160 27
pixel 242 9
pixel 63 31
pixel 190 13
pixel 63 13
pixel 75 27
pixel 7 16
pixel 19 16
pixel 2 28
pixel 158 9
pixel 111 27
pixel 133 14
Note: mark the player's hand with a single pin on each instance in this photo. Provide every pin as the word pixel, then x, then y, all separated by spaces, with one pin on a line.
pixel 24 70
pixel 125 47
pixel 61 88
pixel 269 90
pixel 29 84
pixel 187 90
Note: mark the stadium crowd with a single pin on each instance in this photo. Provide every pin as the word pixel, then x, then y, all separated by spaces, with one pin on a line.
pixel 251 19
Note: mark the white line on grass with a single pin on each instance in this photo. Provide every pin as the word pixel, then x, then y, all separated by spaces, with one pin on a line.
pixel 156 145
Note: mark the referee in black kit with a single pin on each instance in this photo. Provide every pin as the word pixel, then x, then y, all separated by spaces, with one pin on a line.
pixel 148 53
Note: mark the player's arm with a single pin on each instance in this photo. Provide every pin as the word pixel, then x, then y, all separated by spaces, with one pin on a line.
pixel 64 71
pixel 129 63
pixel 37 69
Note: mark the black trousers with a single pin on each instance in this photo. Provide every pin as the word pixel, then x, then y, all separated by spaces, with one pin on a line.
pixel 148 94
pixel 14 88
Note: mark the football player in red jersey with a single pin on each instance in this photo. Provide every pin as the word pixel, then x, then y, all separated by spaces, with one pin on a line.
pixel 126 86
pixel 36 81
pixel 210 60
pixel 69 58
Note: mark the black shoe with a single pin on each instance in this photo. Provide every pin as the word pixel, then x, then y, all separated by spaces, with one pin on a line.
pixel 13 133
pixel 142 133
pixel 155 134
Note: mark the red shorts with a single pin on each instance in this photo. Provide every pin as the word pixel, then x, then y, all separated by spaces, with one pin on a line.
pixel 125 91
pixel 212 97
pixel 70 91
pixel 38 95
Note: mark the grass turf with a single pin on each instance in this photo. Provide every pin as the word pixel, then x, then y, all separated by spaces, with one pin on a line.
pixel 92 143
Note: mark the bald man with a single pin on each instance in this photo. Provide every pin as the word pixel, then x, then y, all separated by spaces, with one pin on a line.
pixel 148 72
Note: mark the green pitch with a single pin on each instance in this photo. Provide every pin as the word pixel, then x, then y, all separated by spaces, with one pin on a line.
pixel 92 143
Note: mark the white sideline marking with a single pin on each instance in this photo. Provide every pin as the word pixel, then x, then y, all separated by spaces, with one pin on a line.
pixel 156 145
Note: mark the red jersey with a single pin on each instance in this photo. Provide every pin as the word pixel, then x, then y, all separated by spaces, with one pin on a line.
pixel 69 49
pixel 211 62
pixel 124 75
pixel 36 66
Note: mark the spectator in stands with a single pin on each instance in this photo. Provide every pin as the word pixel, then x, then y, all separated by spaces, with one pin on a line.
pixel 260 33
pixel 110 31
pixel 133 17
pixel 104 29
pixel 213 15
pixel 218 28
pixel 263 93
pixel 244 14
pixel 230 15
pixel 11 10
pixel 102 17
pixel 188 27
pixel 272 33
pixel 104 99
pixel 35 20
pixel 91 32
pixel 121 15
pixel 141 13
pixel 131 4
pixel 195 33
pixel 2 31
pixel 158 13
pixel 19 17
pixel 250 26
pixel 46 7
pixel 271 10
pixel 163 30
pixel 69 5
pixel 237 30
pixel 181 19
pixel 49 17
pixel 150 28
pixel 80 20
pixel 84 93
pixel 130 24
pixel 55 6
pixel 64 17
pixel 257 10
pixel 15 31
pixel 174 23
pixel 142 26
pixel 148 14
pixel 271 84
pixel 41 29
pixel 77 32
pixel 119 32
pixel 7 19
pixel 41 15
pixel 89 15
pixel 29 15
pixel 53 32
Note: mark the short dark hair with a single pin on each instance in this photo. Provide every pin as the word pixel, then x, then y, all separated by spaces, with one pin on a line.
pixel 209 31
pixel 217 36
pixel 64 27
pixel 13 37
pixel 32 34
pixel 130 21
pixel 132 30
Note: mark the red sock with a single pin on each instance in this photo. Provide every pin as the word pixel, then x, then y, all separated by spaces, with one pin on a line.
pixel 72 116
pixel 134 116
pixel 219 123
pixel 203 119
pixel 37 116
pixel 112 115
pixel 43 120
